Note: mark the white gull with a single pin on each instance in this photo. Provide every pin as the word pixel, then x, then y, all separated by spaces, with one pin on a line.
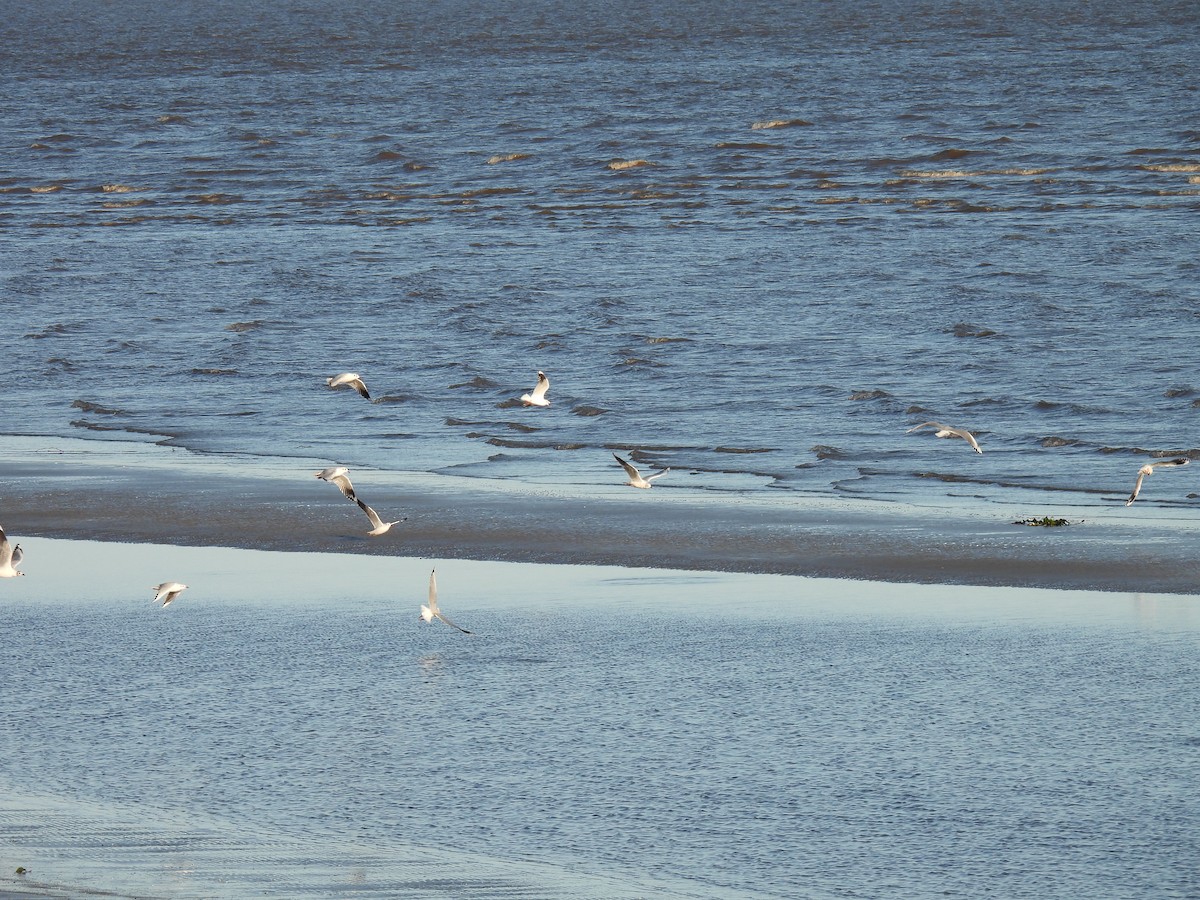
pixel 635 477
pixel 167 591
pixel 431 612
pixel 1148 469
pixel 537 397
pixel 378 526
pixel 340 476
pixel 10 557
pixel 350 378
pixel 945 431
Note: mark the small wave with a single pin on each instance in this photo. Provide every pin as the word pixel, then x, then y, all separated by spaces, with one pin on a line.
pixel 636 362
pixel 92 426
pixel 967 330
pixel 491 192
pixel 620 165
pixel 824 451
pixel 1172 167
pixel 215 198
pixel 506 157
pixel 1054 441
pixel 983 401
pixel 509 443
pixel 1185 391
pixel 1156 454
pixel 478 383
pixel 89 407
pixel 779 123
pixel 588 411
pixel 45 188
pixel 114 188
pixel 939 173
pixel 744 145
pixel 238 327
pixel 126 204
pixel 870 395
pixel 395 398
pixel 745 449
pixel 951 154
pixel 173 120
pixel 215 372
pixel 49 331
pixel 668 340
pixel 387 156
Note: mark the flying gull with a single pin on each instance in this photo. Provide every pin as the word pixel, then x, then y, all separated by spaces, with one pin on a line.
pixel 350 378
pixel 945 431
pixel 378 526
pixel 431 612
pixel 537 397
pixel 167 591
pixel 1148 469
pixel 340 476
pixel 10 557
pixel 635 477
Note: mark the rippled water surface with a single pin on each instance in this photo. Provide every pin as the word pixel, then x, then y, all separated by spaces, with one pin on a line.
pixel 754 242
pixel 287 725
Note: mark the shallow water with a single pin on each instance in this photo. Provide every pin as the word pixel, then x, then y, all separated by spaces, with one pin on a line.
pixel 850 220
pixel 287 723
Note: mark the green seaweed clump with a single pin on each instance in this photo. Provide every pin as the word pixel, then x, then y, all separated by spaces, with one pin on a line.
pixel 1043 522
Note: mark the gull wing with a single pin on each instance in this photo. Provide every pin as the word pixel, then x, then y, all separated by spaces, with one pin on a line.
pixel 1138 486
pixel 17 555
pixel 1181 461
pixel 358 385
pixel 343 483
pixel 629 468
pixel 968 437
pixel 6 550
pixel 371 514
pixel 938 425
pixel 539 390
pixel 451 624
pixel 433 592
pixel 658 474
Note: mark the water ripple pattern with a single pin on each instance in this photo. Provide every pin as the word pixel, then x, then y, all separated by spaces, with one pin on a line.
pixel 753 242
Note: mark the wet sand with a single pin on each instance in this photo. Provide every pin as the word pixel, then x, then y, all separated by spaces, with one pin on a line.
pixel 142 493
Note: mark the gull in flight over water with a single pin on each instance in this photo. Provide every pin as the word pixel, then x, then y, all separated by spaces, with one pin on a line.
pixel 378 526
pixel 1148 469
pixel 945 431
pixel 537 397
pixel 431 612
pixel 635 477
pixel 10 557
pixel 167 591
pixel 340 476
pixel 350 378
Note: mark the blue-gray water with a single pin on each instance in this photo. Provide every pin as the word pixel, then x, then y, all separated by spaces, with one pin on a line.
pixel 851 218
pixel 684 735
